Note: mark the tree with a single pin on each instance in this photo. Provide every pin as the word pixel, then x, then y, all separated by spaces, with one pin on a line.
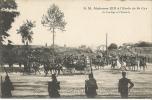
pixel 54 20
pixel 7 14
pixel 112 46
pixel 26 32
pixel 143 44
pixel 8 54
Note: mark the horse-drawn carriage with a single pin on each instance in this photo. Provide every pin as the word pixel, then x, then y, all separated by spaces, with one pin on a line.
pixel 76 64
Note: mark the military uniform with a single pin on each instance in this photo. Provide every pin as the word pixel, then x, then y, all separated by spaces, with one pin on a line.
pixel 90 88
pixel 53 89
pixel 123 87
pixel 6 88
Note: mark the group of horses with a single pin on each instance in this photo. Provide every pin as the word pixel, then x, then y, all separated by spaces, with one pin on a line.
pixel 134 63
pixel 131 63
pixel 99 62
pixel 72 63
pixel 56 65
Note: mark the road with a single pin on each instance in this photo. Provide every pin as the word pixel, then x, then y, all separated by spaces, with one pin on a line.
pixel 35 86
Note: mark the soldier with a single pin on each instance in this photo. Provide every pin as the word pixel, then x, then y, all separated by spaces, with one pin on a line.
pixel 54 87
pixel 123 86
pixel 7 87
pixel 90 87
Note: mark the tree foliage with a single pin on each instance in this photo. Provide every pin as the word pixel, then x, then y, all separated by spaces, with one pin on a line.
pixel 112 46
pixel 54 19
pixel 7 14
pixel 26 32
pixel 143 44
pixel 8 54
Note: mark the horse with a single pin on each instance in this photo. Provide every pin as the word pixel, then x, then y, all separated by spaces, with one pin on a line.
pixel 36 68
pixel 46 68
pixel 113 63
pixel 99 63
pixel 142 63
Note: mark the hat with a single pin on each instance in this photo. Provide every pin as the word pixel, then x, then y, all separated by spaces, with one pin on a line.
pixel 53 76
pixel 91 75
pixel 123 73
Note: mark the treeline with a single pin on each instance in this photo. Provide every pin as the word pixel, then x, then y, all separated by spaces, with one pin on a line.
pixel 139 44
pixel 143 44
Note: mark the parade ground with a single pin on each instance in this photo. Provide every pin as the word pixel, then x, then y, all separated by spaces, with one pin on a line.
pixel 72 86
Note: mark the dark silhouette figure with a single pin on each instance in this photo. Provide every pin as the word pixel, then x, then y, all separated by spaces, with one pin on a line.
pixel 123 86
pixel 90 87
pixel 54 87
pixel 7 87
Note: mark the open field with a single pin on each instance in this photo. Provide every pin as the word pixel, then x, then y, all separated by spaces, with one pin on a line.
pixel 35 86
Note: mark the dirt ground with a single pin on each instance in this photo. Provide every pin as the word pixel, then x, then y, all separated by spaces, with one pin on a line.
pixel 72 86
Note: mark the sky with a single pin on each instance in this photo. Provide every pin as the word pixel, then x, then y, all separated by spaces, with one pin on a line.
pixel 84 26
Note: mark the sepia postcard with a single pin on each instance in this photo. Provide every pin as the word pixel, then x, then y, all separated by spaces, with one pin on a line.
pixel 81 49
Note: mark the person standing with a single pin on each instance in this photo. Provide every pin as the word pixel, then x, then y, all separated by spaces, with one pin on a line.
pixel 54 87
pixel 123 88
pixel 7 87
pixel 90 87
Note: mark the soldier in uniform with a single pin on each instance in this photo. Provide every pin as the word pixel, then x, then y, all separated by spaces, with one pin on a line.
pixel 54 87
pixel 7 87
pixel 123 86
pixel 90 87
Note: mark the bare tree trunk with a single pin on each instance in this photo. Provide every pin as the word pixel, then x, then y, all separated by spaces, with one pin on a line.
pixel 0 54
pixel 53 40
pixel 53 45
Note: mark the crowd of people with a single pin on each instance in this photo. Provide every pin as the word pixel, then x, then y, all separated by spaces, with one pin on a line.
pixel 72 62
pixel 128 62
pixel 51 65
pixel 55 66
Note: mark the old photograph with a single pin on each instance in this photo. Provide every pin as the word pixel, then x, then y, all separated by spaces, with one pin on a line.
pixel 77 49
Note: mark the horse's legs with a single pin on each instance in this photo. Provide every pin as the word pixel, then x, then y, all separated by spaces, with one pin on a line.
pixel 51 70
pixel 103 67
pixel 38 70
pixel 59 71
pixel 35 71
pixel 129 67
pixel 144 67
pixel 46 72
pixel 96 67
pixel 56 70
pixel 133 67
pixel 140 67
